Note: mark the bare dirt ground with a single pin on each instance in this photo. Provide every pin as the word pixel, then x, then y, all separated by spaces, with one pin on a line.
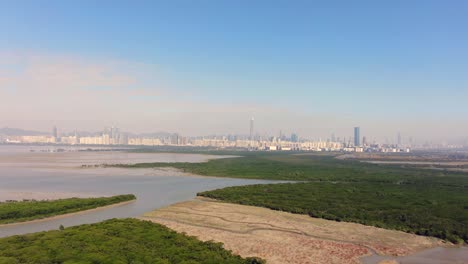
pixel 281 237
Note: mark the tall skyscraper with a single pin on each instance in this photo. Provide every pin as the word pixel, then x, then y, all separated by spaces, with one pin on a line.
pixel 399 139
pixel 357 135
pixel 175 139
pixel 115 135
pixel 294 137
pixel 55 135
pixel 54 132
pixel 251 135
pixel 251 129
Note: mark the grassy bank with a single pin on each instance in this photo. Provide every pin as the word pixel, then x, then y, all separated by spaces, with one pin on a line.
pixel 114 241
pixel 12 212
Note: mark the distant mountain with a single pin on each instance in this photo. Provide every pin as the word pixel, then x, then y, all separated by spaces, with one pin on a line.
pixel 20 132
pixel 8 131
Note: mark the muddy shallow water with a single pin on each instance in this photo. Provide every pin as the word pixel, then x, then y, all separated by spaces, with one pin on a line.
pixel 438 255
pixel 39 175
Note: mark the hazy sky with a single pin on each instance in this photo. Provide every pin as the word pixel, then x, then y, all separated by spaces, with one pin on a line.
pixel 204 67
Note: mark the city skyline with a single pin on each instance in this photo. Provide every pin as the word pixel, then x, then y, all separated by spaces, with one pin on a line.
pixel 186 74
pixel 355 138
pixel 113 136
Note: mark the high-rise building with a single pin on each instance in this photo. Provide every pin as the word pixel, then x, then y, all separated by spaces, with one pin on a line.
pixel 357 137
pixel 106 136
pixel 294 137
pixel 251 134
pixel 114 135
pixel 399 139
pixel 55 135
pixel 175 139
pixel 251 129
pixel 76 138
pixel 123 139
pixel 106 139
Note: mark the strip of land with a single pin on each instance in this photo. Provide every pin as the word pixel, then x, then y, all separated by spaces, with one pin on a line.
pixel 305 167
pixel 281 237
pixel 60 216
pixel 14 212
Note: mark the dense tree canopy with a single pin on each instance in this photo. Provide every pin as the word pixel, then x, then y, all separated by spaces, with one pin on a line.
pixel 114 242
pixel 408 198
pixel 11 212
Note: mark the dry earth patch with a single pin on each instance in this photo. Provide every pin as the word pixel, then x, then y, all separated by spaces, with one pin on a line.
pixel 281 237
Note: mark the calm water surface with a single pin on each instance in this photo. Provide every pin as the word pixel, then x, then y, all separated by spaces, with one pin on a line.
pixel 22 171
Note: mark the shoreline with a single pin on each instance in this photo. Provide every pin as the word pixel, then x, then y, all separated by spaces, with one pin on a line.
pixel 182 173
pixel 158 171
pixel 19 195
pixel 68 214
pixel 171 171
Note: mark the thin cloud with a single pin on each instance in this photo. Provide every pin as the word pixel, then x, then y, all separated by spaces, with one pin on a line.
pixel 42 90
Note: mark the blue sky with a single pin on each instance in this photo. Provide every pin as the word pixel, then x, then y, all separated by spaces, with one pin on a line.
pixel 363 60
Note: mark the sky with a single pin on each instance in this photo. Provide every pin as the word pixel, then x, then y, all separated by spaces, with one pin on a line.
pixel 205 67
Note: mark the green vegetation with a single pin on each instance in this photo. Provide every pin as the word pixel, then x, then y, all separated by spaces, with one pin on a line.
pixel 12 212
pixel 431 211
pixel 422 201
pixel 279 166
pixel 114 241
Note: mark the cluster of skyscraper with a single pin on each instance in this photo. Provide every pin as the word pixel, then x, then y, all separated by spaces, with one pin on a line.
pixel 252 141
